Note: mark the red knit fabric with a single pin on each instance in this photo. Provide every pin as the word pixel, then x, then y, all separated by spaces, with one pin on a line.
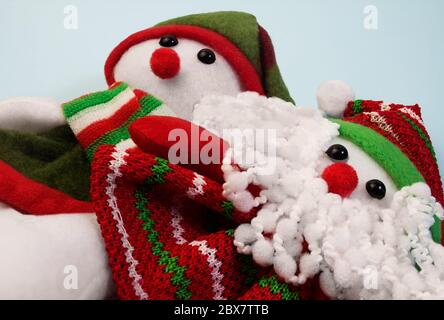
pixel 152 133
pixel 403 126
pixel 165 242
pixel 101 127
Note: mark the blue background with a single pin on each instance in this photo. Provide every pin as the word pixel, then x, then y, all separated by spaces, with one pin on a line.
pixel 315 40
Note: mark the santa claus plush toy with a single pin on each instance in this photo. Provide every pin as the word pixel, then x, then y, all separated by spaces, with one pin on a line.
pixel 361 208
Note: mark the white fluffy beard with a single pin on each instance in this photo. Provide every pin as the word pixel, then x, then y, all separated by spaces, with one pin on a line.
pixel 360 250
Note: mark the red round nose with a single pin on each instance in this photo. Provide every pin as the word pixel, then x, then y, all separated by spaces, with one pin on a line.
pixel 341 179
pixel 165 63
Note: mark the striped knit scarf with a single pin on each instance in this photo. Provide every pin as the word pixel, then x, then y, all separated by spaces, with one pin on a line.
pixel 104 117
pixel 168 231
pixel 154 218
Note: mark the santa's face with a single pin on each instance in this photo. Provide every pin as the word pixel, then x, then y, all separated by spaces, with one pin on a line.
pixel 347 168
pixel 178 71
pixel 364 238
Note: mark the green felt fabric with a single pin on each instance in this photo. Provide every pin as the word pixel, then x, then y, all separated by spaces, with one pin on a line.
pixel 241 29
pixel 388 156
pixel 274 85
pixel 53 158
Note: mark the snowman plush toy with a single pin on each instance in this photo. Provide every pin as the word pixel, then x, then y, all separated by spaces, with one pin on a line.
pixel 350 209
pixel 47 221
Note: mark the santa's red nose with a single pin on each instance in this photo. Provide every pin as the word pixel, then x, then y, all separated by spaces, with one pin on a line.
pixel 165 63
pixel 341 179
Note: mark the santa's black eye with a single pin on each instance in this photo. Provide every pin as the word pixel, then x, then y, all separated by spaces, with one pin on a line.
pixel 206 56
pixel 376 189
pixel 337 152
pixel 168 41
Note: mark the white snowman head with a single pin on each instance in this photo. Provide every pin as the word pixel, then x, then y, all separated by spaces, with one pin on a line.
pixel 185 59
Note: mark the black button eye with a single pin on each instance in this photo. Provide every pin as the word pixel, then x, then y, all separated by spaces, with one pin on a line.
pixel 206 56
pixel 376 189
pixel 168 41
pixel 337 152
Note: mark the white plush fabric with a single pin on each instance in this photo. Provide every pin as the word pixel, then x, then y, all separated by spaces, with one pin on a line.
pixel 37 254
pixel 30 114
pixel 35 250
pixel 194 80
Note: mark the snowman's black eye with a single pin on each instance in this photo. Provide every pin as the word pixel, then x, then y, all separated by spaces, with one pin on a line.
pixel 206 56
pixel 168 41
pixel 337 152
pixel 376 189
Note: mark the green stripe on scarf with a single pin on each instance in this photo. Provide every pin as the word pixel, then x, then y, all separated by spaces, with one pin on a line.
pixel 248 266
pixel 421 134
pixel 159 170
pixel 230 232
pixel 147 105
pixel 227 207
pixel 170 263
pixel 249 269
pixel 277 287
pixel 164 257
pixel 93 99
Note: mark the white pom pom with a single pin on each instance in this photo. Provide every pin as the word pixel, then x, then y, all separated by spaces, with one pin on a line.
pixel 287 229
pixel 355 257
pixel 268 220
pixel 437 253
pixel 400 291
pixel 243 201
pixel 236 182
pixel 420 189
pixel 293 247
pixel 291 184
pixel 263 252
pixel 413 280
pixel 245 234
pixel 327 284
pixel 285 266
pixel 342 273
pixel 309 264
pixel 333 97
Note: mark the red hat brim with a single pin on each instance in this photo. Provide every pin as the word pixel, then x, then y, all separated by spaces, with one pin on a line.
pixel 245 70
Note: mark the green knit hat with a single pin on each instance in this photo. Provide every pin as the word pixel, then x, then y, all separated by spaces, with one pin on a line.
pixel 230 32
